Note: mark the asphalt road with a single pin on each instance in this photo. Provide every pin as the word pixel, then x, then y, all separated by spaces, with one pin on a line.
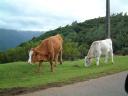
pixel 112 85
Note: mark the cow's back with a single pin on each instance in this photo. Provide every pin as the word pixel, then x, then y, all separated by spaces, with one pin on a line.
pixel 102 46
pixel 106 45
pixel 50 46
pixel 55 42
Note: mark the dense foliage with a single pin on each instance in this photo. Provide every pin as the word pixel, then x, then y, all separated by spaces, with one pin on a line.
pixel 77 38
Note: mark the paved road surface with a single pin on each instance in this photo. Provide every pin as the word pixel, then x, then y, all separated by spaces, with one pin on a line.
pixel 112 85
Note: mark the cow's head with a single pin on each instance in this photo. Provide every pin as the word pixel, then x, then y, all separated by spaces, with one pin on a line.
pixel 34 56
pixel 87 61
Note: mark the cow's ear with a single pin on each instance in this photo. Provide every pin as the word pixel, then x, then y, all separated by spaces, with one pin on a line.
pixel 33 49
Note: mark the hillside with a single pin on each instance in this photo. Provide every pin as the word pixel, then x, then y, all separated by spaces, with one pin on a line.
pixel 83 34
pixel 12 38
pixel 78 38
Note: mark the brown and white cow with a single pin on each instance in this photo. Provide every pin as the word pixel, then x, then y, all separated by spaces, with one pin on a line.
pixel 49 50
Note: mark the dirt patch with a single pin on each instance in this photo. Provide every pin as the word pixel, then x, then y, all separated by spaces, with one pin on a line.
pixel 23 90
pixel 11 91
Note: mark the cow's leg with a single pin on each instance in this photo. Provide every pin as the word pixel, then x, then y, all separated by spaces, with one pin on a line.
pixel 39 65
pixel 52 58
pixel 106 58
pixel 51 63
pixel 97 55
pixel 111 53
pixel 60 59
pixel 56 59
pixel 97 60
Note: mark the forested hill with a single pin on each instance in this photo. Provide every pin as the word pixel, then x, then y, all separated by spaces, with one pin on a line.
pixel 78 38
pixel 12 38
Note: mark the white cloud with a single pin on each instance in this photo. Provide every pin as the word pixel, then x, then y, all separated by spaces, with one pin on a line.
pixel 50 14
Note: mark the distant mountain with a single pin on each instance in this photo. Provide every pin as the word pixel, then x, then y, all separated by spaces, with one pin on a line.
pixel 12 38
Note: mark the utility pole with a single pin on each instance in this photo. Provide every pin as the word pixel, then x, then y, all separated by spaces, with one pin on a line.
pixel 108 18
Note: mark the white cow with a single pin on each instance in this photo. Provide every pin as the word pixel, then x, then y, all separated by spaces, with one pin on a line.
pixel 98 48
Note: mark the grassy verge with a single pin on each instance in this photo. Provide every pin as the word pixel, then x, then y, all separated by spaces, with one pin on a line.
pixel 23 75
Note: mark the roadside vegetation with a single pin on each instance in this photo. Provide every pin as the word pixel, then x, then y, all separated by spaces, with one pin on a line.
pixel 21 74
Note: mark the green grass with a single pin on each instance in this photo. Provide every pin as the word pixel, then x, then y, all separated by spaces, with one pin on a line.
pixel 21 74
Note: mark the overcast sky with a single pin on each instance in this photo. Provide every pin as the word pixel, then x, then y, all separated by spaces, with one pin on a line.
pixel 50 14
